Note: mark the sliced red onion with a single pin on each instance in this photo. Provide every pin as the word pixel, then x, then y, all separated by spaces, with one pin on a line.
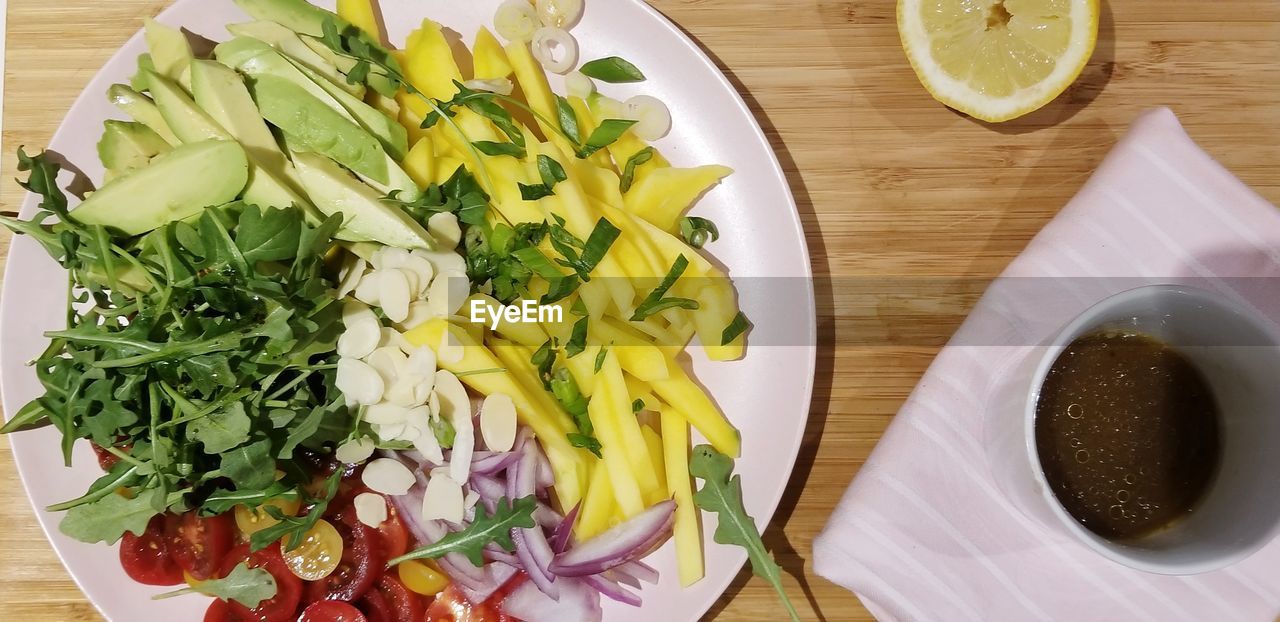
pixel 531 544
pixel 537 574
pixel 410 508
pixel 546 477
pixel 626 542
pixel 490 463
pixel 621 578
pixel 496 554
pixel 456 565
pixel 496 576
pixel 546 517
pixel 613 591
pixel 578 602
pixel 564 531
pixel 640 571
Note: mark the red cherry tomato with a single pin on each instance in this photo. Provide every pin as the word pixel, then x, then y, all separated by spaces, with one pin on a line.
pixel 395 536
pixel 376 607
pixel 199 544
pixel 361 565
pixel 404 605
pixel 451 606
pixel 284 605
pixel 220 611
pixel 146 558
pixel 332 611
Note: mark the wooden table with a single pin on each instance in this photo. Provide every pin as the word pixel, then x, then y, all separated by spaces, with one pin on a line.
pixel 888 182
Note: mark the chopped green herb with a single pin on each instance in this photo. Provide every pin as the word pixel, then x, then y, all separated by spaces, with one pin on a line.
pixel 491 148
pixel 568 120
pixel 544 360
pixel 604 352
pixel 736 327
pixel 656 301
pixel 698 231
pixel 629 171
pixel 612 69
pixel 565 389
pixel 637 406
pixel 578 339
pixel 609 132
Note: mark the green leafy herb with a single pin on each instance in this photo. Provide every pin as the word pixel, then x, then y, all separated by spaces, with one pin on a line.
pixel 600 357
pixel 491 148
pixel 551 173
pixel 722 495
pixel 609 131
pixel 544 360
pixel 107 519
pixel 374 64
pixel 245 585
pixel 698 231
pixel 565 389
pixel 612 69
pixel 637 406
pixel 484 529
pixel 568 120
pixel 629 171
pixel 577 339
pixel 656 301
pixel 223 500
pixel 444 431
pixel 736 327
pixel 290 531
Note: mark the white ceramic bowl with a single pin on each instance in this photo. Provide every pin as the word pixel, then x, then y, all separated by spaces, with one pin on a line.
pixel 1239 354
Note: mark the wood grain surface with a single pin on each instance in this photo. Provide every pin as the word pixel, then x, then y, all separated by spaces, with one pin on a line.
pixel 889 184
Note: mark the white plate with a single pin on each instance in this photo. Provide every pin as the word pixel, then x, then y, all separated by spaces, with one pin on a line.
pixel 766 394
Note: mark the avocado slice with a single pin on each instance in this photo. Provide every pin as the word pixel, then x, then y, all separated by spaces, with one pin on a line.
pixel 305 18
pixel 221 93
pixel 142 109
pixel 365 215
pixel 139 79
pixel 318 128
pixel 255 58
pixel 175 185
pixel 170 51
pixel 128 145
pixel 292 47
pixel 266 187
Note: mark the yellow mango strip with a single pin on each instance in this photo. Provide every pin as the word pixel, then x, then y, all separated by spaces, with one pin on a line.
pixel 595 296
pixel 638 356
pixel 445 167
pixel 583 369
pixel 516 359
pixel 681 392
pixel 361 13
pixel 429 64
pixel 664 195
pixel 566 461
pixel 687 532
pixel 716 310
pixel 587 123
pixel 537 92
pixel 626 491
pixel 611 383
pixel 389 106
pixel 488 59
pixel 653 441
pixel 420 162
pixel 600 184
pixel 598 506
pixel 640 390
pixel 657 330
pixel 528 334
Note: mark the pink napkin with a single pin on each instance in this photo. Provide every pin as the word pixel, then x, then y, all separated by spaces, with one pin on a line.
pixel 925 531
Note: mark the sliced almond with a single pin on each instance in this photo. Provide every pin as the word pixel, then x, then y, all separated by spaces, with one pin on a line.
pixel 444 261
pixel 355 451
pixel 359 381
pixel 470 498
pixel 371 509
pixel 419 312
pixel 385 413
pixel 393 294
pixel 426 443
pixel 388 476
pixel 443 226
pixel 393 337
pixel 350 277
pixel 442 500
pixel 391 431
pixel 498 422
pixel 367 290
pixel 423 269
pixel 390 257
pixel 390 362
pixel 455 406
pixel 361 331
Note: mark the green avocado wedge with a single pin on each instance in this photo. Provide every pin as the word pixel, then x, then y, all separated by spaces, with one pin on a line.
pixel 128 145
pixel 175 185
pixel 292 47
pixel 142 109
pixel 365 215
pixel 171 53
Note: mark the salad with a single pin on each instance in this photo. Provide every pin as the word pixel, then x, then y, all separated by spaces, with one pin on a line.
pixel 360 333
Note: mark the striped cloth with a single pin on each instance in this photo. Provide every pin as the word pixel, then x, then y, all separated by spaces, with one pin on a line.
pixel 925 531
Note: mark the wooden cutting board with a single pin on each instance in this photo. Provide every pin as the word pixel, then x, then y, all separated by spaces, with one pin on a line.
pixel 891 185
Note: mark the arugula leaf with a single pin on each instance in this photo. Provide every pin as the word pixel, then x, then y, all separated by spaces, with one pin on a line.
pixel 698 231
pixel 223 500
pixel 609 131
pixel 491 148
pixel 551 173
pixel 612 69
pixel 250 466
pixel 486 528
pixel 656 302
pixel 290 531
pixel 107 519
pixel 568 120
pixel 245 585
pixel 221 430
pixel 736 327
pixel 629 171
pixel 722 495
pixel 268 235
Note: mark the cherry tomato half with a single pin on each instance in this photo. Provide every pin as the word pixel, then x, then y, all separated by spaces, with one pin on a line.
pixel 362 561
pixel 106 459
pixel 404 605
pixel 199 544
pixel 376 607
pixel 451 606
pixel 281 607
pixel 220 611
pixel 395 536
pixel 332 611
pixel 146 558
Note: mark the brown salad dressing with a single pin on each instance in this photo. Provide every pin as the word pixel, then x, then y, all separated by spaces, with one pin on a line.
pixel 1127 433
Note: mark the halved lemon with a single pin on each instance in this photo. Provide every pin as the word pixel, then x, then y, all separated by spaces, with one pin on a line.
pixel 997 59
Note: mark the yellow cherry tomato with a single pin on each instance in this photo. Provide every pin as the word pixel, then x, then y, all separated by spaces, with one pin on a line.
pixel 422 578
pixel 318 555
pixel 253 520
